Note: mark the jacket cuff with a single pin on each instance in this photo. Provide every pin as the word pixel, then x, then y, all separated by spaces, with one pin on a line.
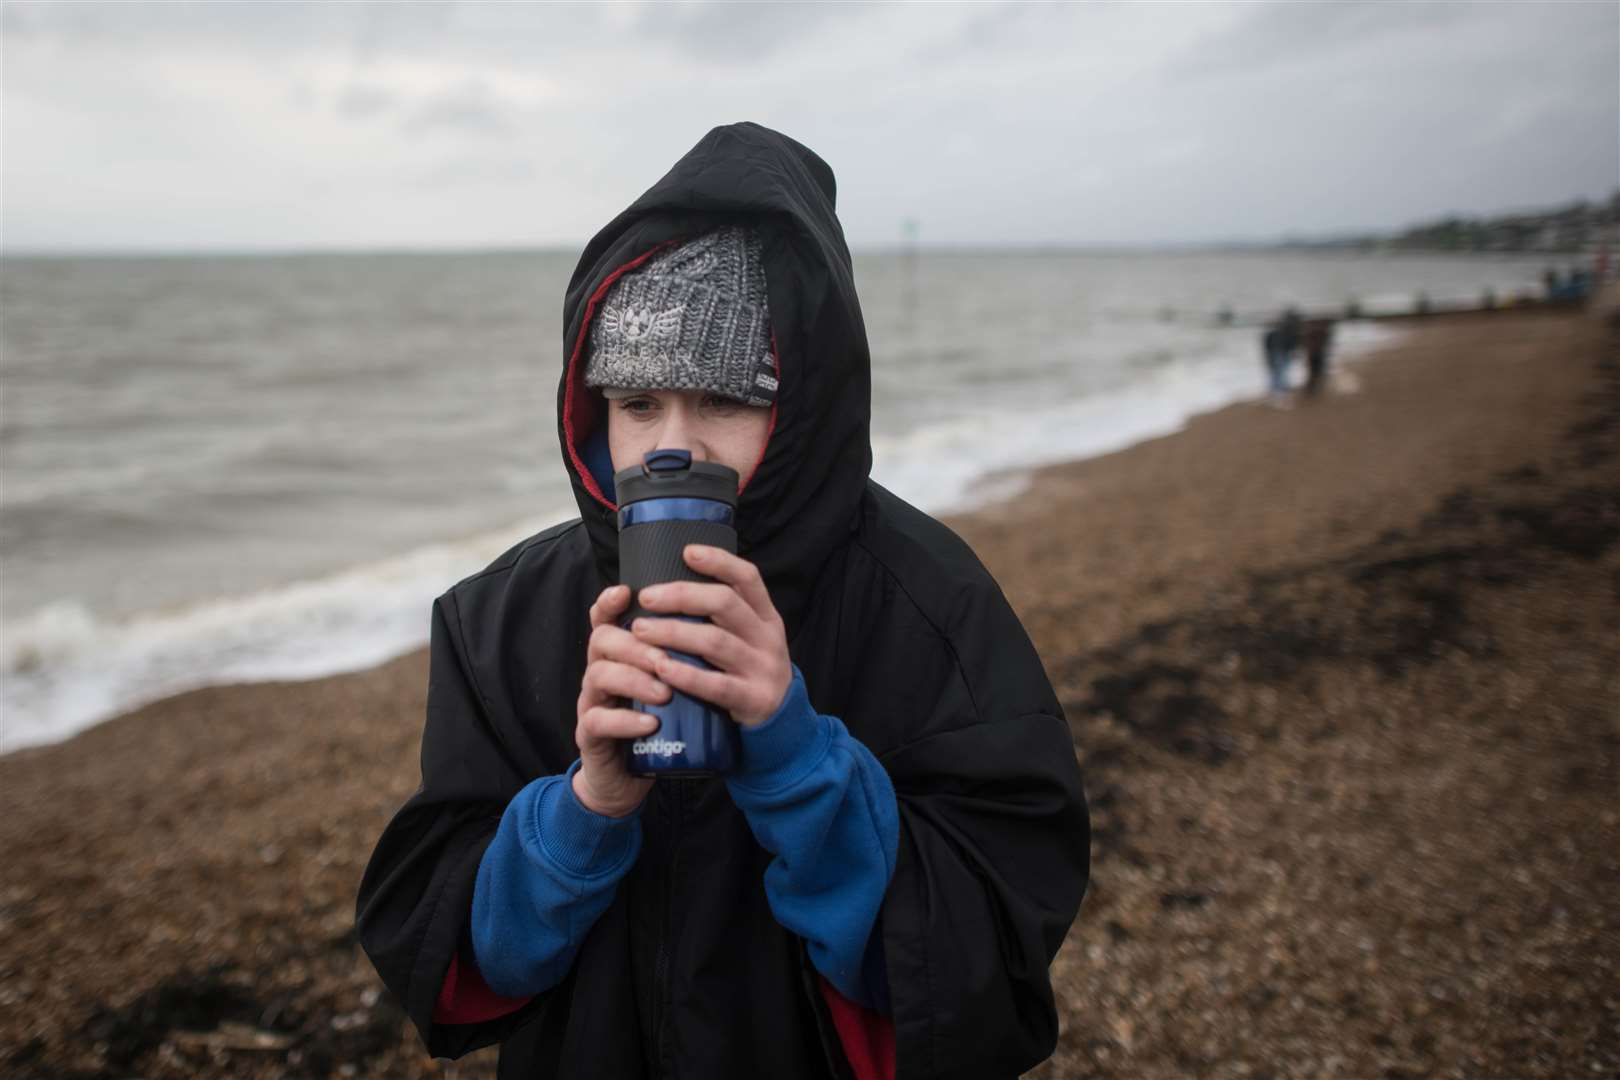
pixel 785 746
pixel 578 840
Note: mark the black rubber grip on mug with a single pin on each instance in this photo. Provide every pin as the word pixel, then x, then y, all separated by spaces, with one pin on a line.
pixel 653 553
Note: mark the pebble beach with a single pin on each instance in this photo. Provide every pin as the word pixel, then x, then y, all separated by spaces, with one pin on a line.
pixel 1344 680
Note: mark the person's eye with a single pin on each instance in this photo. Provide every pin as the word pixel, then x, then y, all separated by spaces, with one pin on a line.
pixel 638 406
pixel 719 403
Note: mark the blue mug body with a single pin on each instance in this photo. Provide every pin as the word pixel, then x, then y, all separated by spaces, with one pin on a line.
pixel 693 738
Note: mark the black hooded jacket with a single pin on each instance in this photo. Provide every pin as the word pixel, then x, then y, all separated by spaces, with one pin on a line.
pixel 899 631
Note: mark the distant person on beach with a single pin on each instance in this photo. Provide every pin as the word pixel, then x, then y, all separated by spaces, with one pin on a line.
pixel 886 875
pixel 1278 343
pixel 1276 361
pixel 1318 343
pixel 1580 283
pixel 1292 325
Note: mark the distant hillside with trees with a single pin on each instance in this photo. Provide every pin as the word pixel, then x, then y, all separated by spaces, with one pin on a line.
pixel 1582 226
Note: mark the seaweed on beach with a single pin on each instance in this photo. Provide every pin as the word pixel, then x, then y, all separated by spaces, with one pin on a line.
pixel 1399 602
pixel 1405 605
pixel 225 1014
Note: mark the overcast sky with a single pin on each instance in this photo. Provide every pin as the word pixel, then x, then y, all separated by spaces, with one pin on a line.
pixel 254 126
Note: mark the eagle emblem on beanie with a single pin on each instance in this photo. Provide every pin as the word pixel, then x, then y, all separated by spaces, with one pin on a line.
pixel 693 317
pixel 642 324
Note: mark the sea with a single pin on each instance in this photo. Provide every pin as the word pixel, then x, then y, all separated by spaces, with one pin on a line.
pixel 261 467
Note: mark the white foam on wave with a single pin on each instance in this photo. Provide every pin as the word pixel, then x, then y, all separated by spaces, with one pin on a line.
pixel 984 457
pixel 65 669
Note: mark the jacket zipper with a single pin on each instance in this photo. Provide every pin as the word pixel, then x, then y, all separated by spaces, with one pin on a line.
pixel 661 976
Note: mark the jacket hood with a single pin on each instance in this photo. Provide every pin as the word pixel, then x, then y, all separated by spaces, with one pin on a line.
pixel 804 497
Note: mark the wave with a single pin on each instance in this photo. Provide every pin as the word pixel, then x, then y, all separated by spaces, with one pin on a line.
pixel 974 459
pixel 65 668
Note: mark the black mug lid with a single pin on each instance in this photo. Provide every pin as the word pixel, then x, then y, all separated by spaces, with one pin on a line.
pixel 672 474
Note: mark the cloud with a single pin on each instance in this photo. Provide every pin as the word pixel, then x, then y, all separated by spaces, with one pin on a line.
pixel 383 28
pixel 359 101
pixel 15 22
pixel 462 170
pixel 731 34
pixel 468 107
pixel 1264 36
pixel 252 27
pixel 983 31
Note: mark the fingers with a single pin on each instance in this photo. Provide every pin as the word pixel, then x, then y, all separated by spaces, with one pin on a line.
pixel 608 724
pixel 735 571
pixel 610 605
pixel 607 679
pixel 744 636
pixel 612 642
pixel 737 599
pixel 603 784
pixel 719 688
pixel 719 647
pixel 751 699
pixel 719 602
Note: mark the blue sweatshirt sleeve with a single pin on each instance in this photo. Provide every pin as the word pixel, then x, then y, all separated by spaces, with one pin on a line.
pixel 543 882
pixel 817 800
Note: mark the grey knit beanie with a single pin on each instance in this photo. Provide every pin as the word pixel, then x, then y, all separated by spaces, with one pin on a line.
pixel 694 317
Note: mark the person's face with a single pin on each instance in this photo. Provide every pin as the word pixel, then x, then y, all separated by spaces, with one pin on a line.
pixel 713 427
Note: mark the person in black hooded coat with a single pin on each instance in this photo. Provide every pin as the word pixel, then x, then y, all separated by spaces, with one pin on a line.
pixel 897 629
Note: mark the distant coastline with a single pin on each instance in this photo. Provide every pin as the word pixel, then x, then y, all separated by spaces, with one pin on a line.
pixel 1575 228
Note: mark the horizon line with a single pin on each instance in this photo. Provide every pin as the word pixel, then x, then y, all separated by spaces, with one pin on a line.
pixel 1351 245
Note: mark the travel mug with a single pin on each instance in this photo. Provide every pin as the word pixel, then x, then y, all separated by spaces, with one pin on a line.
pixel 666 503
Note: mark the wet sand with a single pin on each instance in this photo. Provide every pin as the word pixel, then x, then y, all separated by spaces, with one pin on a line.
pixel 1345 680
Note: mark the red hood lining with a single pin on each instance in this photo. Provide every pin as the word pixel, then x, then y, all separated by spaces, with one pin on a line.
pixel 580 405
